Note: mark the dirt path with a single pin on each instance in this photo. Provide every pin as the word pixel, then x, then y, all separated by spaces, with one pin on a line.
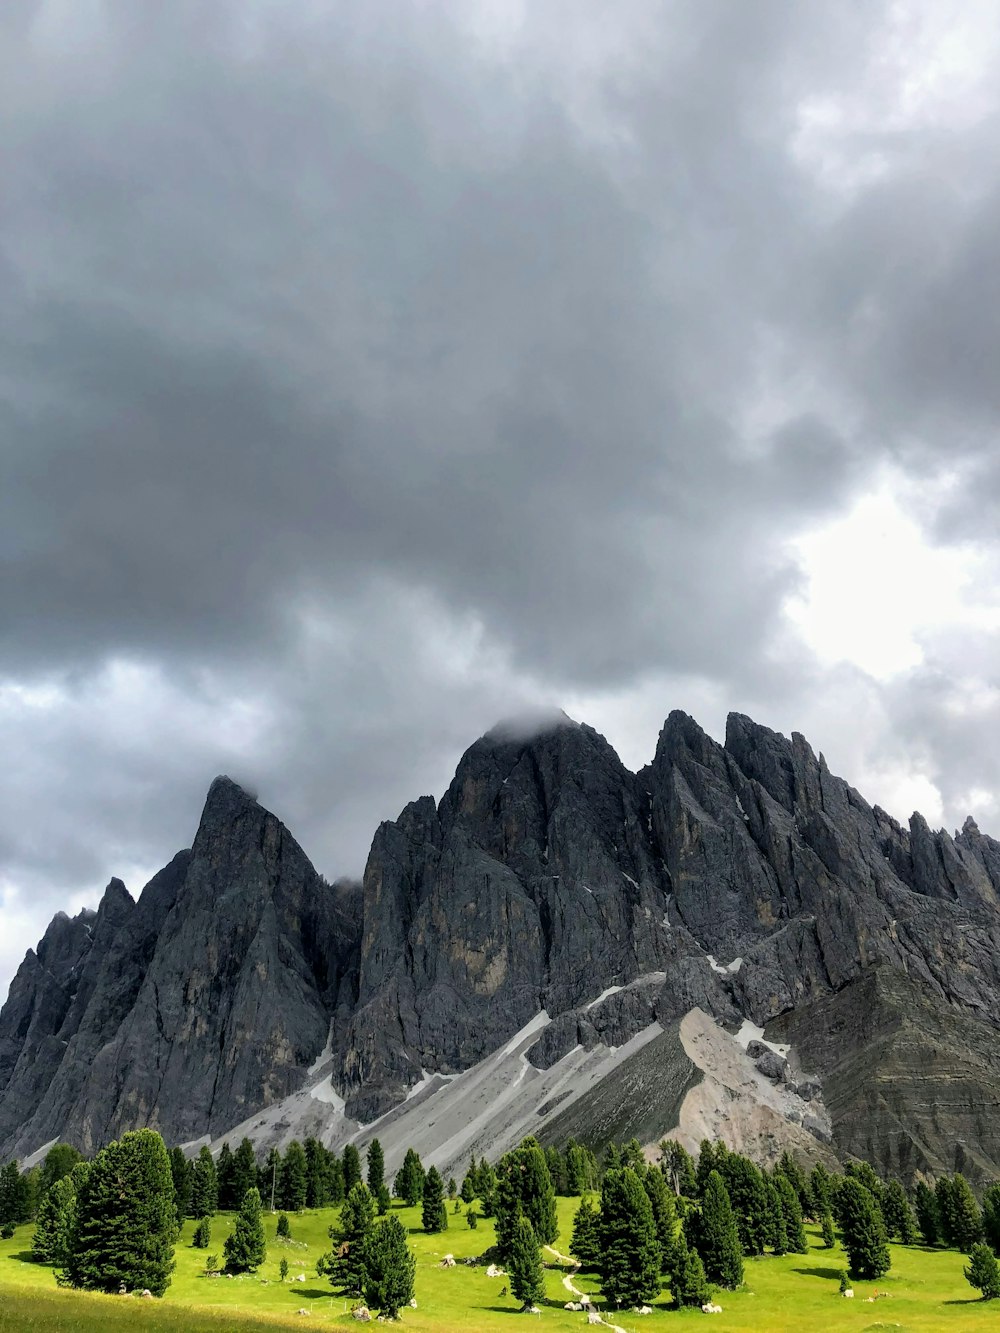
pixel 575 1291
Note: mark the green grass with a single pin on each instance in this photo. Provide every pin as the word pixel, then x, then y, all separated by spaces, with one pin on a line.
pixel 794 1294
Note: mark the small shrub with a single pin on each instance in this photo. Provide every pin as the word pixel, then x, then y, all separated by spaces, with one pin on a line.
pixel 845 1283
pixel 283 1269
pixel 202 1234
pixel 472 1217
pixel 283 1229
pixel 211 1263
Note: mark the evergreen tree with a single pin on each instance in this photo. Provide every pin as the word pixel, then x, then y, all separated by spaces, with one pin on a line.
pixel 793 1173
pixel 15 1196
pixel 777 1232
pixel 820 1190
pixel 181 1173
pixel 202 1237
pixel 269 1179
pixel 629 1261
pixel 524 1184
pixel 677 1165
pixel 282 1227
pixel 204 1185
pixel 283 1269
pixel 409 1182
pixel 226 1197
pixel 345 1264
pixel 792 1209
pixel 864 1173
pixel 967 1222
pixel 383 1200
pixel 585 1243
pixel 898 1214
pixel 352 1167
pixel 468 1190
pixel 124 1221
pixel 556 1163
pixel 452 1188
pixel 633 1156
pixel 928 1218
pixel 376 1166
pixel 294 1177
pixel 748 1195
pixel 527 1282
pixel 389 1265
pixel 472 1217
pixel 829 1235
pixel 707 1163
pixel 246 1246
pixel 688 1284
pixel 317 1191
pixel 718 1235
pixel 612 1157
pixel 862 1231
pixel 434 1215
pixel 991 1217
pixel 335 1191
pixel 244 1170
pixel 943 1197
pixel 59 1162
pixel 487 1189
pixel 661 1200
pixel 54 1225
pixel 983 1272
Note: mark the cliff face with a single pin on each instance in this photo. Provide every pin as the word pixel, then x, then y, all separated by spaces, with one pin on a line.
pixel 742 879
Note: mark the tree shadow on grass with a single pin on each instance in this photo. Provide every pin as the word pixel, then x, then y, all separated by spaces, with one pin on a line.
pixel 26 1257
pixel 833 1273
pixel 971 1300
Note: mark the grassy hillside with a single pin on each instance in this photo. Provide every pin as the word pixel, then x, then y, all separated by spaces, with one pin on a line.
pixel 925 1290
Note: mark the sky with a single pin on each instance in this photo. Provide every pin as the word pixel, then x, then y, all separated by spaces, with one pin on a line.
pixel 369 373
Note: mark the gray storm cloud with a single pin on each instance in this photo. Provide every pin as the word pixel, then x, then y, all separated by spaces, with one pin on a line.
pixel 371 372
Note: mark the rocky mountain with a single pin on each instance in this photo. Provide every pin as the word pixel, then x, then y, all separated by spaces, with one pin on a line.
pixel 730 941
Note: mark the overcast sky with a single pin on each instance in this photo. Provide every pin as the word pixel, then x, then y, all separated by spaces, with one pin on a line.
pixel 369 372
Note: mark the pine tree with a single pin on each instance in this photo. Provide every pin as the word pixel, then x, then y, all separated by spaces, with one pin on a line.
pixel 283 1269
pixel 246 1246
pixel 748 1195
pixel 59 1162
pixel 317 1191
pixel 244 1170
pixel 585 1243
pixel 15 1196
pixel 718 1235
pixel 352 1167
pixel 991 1217
pixel 269 1179
pixel 524 1184
pixel 777 1232
pixel 434 1215
pixel 226 1197
pixel 983 1272
pixel 928 1218
pixel 707 1163
pixel 204 1185
pixel 820 1190
pixel 383 1200
pixel 863 1231
pixel 629 1261
pixel 527 1283
pixel 345 1263
pixel 472 1218
pixel 829 1235
pixel 54 1224
pixel 202 1237
pixel 688 1284
pixel 792 1209
pixel 661 1200
pixel 282 1227
pixel 181 1173
pixel 389 1266
pixel 468 1190
pixel 294 1178
pixel 898 1214
pixel 487 1189
pixel 335 1191
pixel 376 1166
pixel 967 1222
pixel 677 1165
pixel 124 1220
pixel 409 1183
pixel 793 1173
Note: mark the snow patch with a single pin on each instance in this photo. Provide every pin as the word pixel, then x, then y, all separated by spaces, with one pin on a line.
pixel 751 1032
pixel 630 880
pixel 611 990
pixel 325 1092
pixel 324 1054
pixel 540 1020
pixel 725 969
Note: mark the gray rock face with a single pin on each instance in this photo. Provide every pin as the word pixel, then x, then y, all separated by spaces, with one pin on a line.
pixel 742 878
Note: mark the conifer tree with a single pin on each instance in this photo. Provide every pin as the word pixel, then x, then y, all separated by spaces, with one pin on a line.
pixel 793 1173
pixel 577 1175
pixel 524 1265
pixel 269 1179
pixel 344 1264
pixel 612 1157
pixel 282 1227
pixel 204 1185
pixel 468 1190
pixel 335 1192
pixel 777 1232
pixel 585 1242
pixel 409 1182
pixel 54 1224
pixel 661 1200
pixel 294 1177
pixel 862 1231
pixel 983 1272
pixel 376 1166
pixel 944 1198
pixel 792 1210
pixel 202 1237
pixel 317 1190
pixel 59 1162
pixel 688 1284
pixel 899 1221
pixel 434 1215
pixel 630 1259
pixel 991 1217
pixel 244 1171
pixel 677 1165
pixel 718 1235
pixel 524 1184
pixel 820 1190
pixel 352 1167
pixel 15 1196
pixel 967 1222
pixel 389 1266
pixel 865 1174
pixel 226 1197
pixel 487 1188
pixel 246 1245
pixel 748 1195
pixel 928 1218
pixel 180 1171
pixel 829 1235
pixel 707 1163
pixel 124 1220
pixel 556 1163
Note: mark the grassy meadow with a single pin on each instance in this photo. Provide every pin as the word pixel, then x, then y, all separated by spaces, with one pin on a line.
pixel 794 1294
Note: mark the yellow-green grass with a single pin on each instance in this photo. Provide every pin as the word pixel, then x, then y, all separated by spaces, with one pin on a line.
pixel 797 1293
